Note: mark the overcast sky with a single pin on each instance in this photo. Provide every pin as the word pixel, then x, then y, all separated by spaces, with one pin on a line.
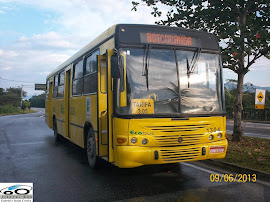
pixel 38 35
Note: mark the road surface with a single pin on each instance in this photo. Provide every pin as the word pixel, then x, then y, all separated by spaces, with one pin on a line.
pixel 261 130
pixel 60 172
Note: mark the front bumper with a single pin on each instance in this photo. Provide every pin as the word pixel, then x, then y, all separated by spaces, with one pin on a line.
pixel 135 156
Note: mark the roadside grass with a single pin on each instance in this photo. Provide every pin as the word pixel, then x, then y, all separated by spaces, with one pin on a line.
pixel 251 152
pixel 11 110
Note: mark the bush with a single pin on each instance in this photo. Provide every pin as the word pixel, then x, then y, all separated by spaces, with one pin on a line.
pixel 6 109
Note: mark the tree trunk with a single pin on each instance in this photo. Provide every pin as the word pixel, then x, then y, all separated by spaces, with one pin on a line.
pixel 237 110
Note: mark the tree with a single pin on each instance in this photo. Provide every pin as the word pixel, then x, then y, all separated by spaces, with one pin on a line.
pixel 15 91
pixel 38 101
pixel 12 96
pixel 27 104
pixel 242 27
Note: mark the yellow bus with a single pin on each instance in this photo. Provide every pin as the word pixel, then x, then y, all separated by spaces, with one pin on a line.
pixel 141 94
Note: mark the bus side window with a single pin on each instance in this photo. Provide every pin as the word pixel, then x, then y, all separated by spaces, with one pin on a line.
pixel 103 79
pixel 47 89
pixel 77 85
pixel 61 85
pixel 55 86
pixel 90 77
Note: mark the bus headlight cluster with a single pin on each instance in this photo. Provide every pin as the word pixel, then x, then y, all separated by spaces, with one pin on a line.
pixel 219 135
pixel 133 140
pixel 144 141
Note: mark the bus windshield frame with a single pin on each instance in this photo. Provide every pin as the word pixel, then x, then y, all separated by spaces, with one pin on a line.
pixel 154 74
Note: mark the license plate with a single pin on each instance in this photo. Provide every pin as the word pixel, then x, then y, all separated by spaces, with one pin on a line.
pixel 217 150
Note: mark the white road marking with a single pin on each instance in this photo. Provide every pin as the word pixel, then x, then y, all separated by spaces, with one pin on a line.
pixel 220 175
pixel 27 143
pixel 201 169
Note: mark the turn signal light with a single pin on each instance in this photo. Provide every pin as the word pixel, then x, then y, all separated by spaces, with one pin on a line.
pixel 121 140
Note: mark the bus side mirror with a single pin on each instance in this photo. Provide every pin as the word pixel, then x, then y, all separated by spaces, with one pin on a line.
pixel 115 69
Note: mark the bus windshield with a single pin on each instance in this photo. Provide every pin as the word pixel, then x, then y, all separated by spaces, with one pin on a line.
pixel 171 82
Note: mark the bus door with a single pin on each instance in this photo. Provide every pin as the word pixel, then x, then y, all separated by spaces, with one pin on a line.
pixel 50 104
pixel 103 132
pixel 67 103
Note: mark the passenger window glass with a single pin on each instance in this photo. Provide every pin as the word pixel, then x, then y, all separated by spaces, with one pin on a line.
pixel 61 85
pixel 91 63
pixel 103 79
pixel 62 78
pixel 56 80
pixel 78 70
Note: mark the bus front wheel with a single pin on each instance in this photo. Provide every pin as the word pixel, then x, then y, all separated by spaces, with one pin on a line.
pixel 93 160
pixel 55 133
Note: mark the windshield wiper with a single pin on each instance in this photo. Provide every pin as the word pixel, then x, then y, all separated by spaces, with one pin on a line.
pixel 194 60
pixel 146 65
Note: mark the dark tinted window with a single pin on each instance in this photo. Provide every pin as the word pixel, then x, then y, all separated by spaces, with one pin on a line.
pixel 77 85
pixel 55 86
pixel 90 83
pixel 61 85
pixel 47 89
pixel 90 77
pixel 91 63
pixel 78 70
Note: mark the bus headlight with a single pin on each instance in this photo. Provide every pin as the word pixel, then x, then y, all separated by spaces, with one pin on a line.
pixel 144 141
pixel 219 135
pixel 211 137
pixel 133 140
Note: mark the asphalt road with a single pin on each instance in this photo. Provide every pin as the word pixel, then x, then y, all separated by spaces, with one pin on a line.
pixel 60 172
pixel 261 130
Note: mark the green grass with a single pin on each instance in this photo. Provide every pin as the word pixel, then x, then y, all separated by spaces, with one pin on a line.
pixel 251 152
pixel 10 109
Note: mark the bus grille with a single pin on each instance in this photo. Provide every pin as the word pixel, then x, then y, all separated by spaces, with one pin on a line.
pixel 168 135
pixel 176 155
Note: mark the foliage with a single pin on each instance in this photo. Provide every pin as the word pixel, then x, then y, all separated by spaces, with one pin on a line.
pixel 1 91
pixel 251 153
pixel 15 92
pixel 9 109
pixel 38 101
pixel 27 104
pixel 249 112
pixel 11 96
pixel 10 100
pixel 242 27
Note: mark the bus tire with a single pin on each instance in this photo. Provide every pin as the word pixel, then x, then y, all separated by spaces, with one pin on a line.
pixel 92 157
pixel 55 133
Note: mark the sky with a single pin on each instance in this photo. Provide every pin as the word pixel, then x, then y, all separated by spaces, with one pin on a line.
pixel 38 35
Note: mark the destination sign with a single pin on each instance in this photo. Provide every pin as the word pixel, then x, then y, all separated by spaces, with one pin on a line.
pixel 168 39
